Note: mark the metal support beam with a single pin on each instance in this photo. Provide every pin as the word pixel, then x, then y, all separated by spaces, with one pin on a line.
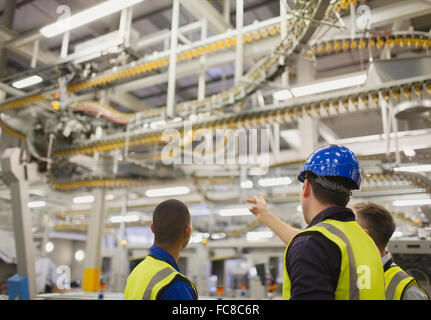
pixel 25 50
pixel 92 264
pixel 226 11
pixel 239 56
pixel 119 260
pixel 7 21
pixel 376 144
pixel 170 109
pixel 204 9
pixel 202 75
pixel 308 127
pixel 283 34
pixel 15 174
pixel 327 133
pixel 274 141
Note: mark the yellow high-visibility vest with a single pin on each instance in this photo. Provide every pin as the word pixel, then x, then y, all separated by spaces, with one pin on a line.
pixel 396 281
pixel 361 271
pixel 149 278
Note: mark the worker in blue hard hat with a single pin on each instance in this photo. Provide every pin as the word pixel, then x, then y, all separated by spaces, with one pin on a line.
pixel 333 258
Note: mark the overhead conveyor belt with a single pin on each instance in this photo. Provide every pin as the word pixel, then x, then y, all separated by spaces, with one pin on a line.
pixel 403 39
pixel 358 100
pixel 301 27
pixel 6 128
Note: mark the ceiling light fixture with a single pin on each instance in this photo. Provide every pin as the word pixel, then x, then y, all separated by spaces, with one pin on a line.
pixel 129 218
pixel 409 152
pixel 27 82
pixel 79 255
pixel 412 202
pixel 282 95
pixel 86 16
pixel 336 83
pixel 36 204
pixel 418 168
pixel 164 192
pixel 259 235
pixel 49 247
pixel 234 212
pixel 109 197
pixel 271 182
pixel 83 199
pixel 247 184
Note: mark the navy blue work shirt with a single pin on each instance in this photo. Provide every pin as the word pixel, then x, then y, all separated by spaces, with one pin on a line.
pixel 179 289
pixel 313 261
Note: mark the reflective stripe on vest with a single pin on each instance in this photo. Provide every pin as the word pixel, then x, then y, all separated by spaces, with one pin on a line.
pixel 361 271
pixel 353 276
pixel 159 276
pixel 396 281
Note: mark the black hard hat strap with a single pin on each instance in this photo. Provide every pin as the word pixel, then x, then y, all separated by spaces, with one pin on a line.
pixel 332 185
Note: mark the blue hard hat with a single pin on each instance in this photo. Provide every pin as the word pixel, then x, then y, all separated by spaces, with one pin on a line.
pixel 334 161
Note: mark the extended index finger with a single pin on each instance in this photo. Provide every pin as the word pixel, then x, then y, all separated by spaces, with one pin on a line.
pixel 252 200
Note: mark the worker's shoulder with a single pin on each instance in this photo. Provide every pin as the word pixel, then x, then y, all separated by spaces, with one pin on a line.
pixel 178 289
pixel 312 242
pixel 308 237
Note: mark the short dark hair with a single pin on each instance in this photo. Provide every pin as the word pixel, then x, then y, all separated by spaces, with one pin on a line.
pixel 328 196
pixel 377 220
pixel 170 218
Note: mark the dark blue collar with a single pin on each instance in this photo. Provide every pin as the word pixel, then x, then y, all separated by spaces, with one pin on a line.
pixel 163 255
pixel 336 213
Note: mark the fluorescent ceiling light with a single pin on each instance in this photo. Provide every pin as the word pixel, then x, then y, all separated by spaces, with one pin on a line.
pixel 128 218
pixel 27 82
pixel 330 85
pixel 412 202
pixel 248 184
pixel 36 204
pixel 234 212
pixel 89 15
pixel 218 236
pixel 418 168
pixel 83 199
pixel 257 171
pixel 282 95
pixel 271 182
pixel 259 235
pixel 109 197
pixel 164 192
pixel 409 152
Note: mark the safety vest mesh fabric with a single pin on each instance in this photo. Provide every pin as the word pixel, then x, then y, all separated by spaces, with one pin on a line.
pixel 396 281
pixel 361 271
pixel 149 278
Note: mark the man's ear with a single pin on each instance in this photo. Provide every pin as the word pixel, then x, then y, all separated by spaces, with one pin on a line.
pixel 152 228
pixel 188 230
pixel 306 189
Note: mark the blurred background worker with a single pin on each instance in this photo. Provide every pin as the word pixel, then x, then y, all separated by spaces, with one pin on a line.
pixel 379 224
pixel 333 258
pixel 158 276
